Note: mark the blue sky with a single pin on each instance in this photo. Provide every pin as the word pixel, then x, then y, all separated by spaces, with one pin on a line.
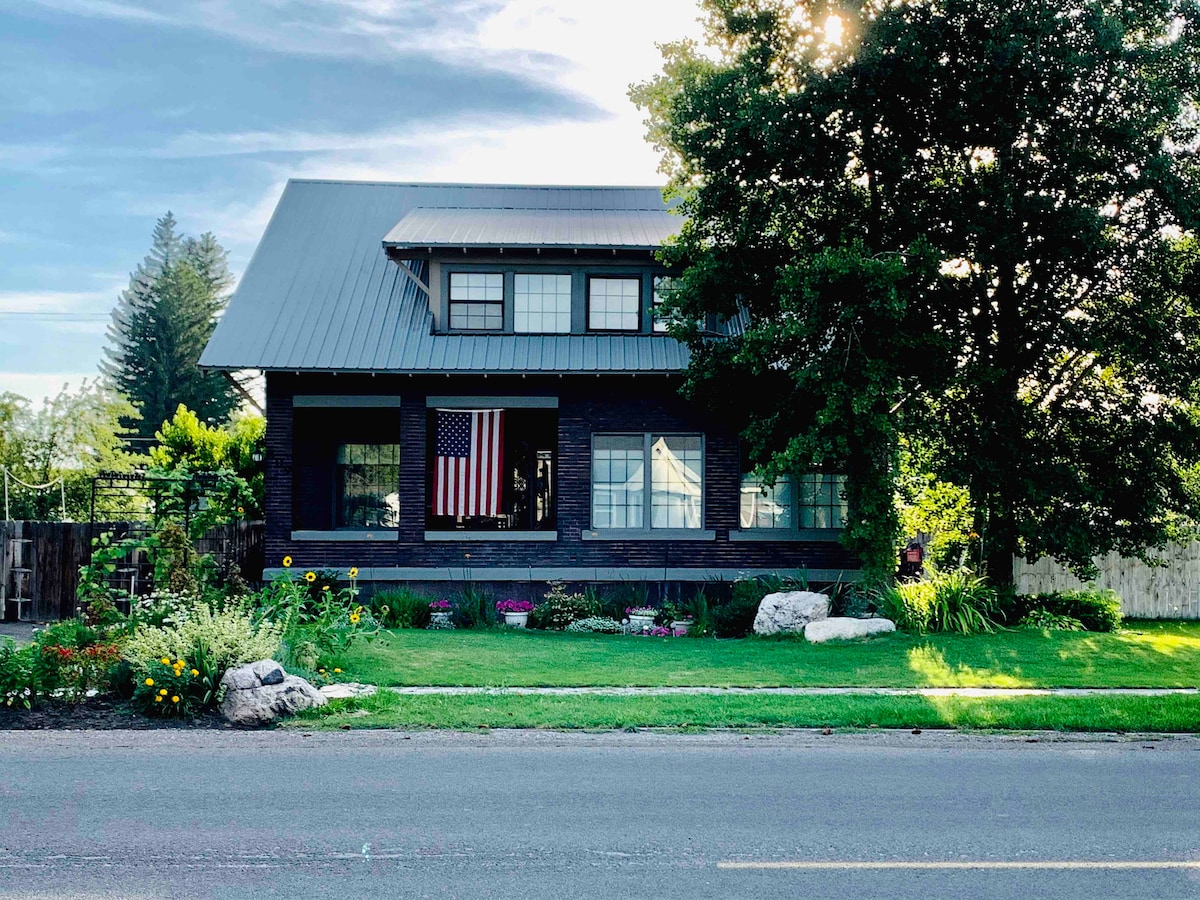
pixel 114 111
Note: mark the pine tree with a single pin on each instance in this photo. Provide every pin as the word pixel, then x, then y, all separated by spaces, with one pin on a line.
pixel 160 326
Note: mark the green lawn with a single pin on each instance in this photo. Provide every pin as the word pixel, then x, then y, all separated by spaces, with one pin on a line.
pixel 1145 654
pixel 1178 713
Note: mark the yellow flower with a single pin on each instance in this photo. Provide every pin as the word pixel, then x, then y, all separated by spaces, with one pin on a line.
pixel 321 671
pixel 241 511
pixel 163 692
pixel 353 571
pixel 166 660
pixel 195 672
pixel 179 663
pixel 354 617
pixel 175 699
pixel 337 671
pixel 324 587
pixel 149 682
pixel 287 562
pixel 157 699
pixel 310 577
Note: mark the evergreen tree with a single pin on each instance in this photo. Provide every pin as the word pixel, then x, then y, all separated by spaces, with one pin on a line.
pixel 160 326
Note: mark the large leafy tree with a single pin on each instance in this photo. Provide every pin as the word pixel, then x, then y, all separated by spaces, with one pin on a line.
pixel 962 221
pixel 160 326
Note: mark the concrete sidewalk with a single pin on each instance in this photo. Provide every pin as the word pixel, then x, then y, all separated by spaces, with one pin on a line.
pixel 796 691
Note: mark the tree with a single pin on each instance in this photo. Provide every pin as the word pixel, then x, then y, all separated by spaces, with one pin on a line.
pixel 188 445
pixel 160 326
pixel 74 436
pixel 964 222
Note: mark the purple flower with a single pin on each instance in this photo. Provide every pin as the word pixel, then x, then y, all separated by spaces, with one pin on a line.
pixel 439 604
pixel 514 606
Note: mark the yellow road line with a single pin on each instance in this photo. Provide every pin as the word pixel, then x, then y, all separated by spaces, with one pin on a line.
pixel 1067 864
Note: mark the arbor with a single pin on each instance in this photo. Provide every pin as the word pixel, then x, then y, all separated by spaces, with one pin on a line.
pixel 160 326
pixel 965 222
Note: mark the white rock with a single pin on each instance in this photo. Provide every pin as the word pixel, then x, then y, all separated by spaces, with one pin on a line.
pixel 347 690
pixel 841 629
pixel 250 701
pixel 789 611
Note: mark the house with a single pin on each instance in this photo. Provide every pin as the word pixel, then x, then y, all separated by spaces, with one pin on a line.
pixel 469 382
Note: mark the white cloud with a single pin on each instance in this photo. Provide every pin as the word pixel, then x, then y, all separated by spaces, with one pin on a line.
pixel 38 388
pixel 59 302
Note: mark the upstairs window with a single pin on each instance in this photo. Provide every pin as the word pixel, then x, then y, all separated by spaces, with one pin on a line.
pixel 477 301
pixel 614 304
pixel 662 286
pixel 542 304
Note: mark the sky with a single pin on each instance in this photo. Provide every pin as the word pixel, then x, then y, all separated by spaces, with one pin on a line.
pixel 115 111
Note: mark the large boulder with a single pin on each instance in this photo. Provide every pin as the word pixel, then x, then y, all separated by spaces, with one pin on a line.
pixel 789 611
pixel 260 692
pixel 840 628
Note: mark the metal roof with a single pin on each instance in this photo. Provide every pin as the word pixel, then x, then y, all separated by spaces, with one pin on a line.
pixel 320 293
pixel 591 229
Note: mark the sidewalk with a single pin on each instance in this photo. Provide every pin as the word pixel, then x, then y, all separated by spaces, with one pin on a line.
pixel 797 691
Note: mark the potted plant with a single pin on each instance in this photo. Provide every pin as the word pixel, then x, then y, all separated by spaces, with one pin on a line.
pixel 440 612
pixel 679 617
pixel 641 618
pixel 516 612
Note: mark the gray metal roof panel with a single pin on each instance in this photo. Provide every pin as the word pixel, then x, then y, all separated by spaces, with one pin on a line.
pixel 320 294
pixel 583 228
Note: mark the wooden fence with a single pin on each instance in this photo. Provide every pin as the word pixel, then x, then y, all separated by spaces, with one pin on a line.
pixel 1170 590
pixel 41 560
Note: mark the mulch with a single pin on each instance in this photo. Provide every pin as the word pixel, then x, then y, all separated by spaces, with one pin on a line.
pixel 96 713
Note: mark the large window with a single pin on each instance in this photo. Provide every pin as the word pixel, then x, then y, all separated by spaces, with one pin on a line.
pixel 614 304
pixel 477 301
pixel 491 469
pixel 367 479
pixel 542 304
pixel 647 480
pixel 816 500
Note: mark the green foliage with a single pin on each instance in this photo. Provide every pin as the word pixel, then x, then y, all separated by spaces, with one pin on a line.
pixel 735 617
pixel 697 610
pixel 956 600
pixel 1048 621
pixel 20 674
pixel 160 326
pixel 230 636
pixel 559 608
pixel 960 225
pixel 928 505
pixel 401 608
pixel 186 445
pixel 595 625
pixel 171 687
pixel 316 617
pixel 473 608
pixel 1096 610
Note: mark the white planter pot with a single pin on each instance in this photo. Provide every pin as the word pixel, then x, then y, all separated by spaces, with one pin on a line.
pixel 516 619
pixel 440 619
pixel 681 627
pixel 640 623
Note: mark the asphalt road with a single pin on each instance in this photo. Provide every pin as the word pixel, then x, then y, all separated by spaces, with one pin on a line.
pixel 355 815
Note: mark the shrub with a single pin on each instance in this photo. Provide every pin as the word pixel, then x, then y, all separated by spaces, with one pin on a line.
pixel 313 618
pixel 20 674
pixel 956 600
pixel 1044 619
pixel 697 609
pixel 474 609
pixel 595 625
pixel 76 671
pixel 735 617
pixel 1096 610
pixel 560 609
pixel 401 608
pixel 229 637
pixel 172 687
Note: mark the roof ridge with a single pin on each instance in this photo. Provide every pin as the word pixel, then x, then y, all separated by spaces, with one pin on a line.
pixel 622 209
pixel 482 184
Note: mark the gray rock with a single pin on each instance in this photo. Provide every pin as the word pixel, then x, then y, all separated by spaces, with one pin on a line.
pixel 789 611
pixel 258 693
pixel 843 629
pixel 347 690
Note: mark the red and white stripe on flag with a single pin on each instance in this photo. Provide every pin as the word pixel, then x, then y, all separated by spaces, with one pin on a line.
pixel 468 461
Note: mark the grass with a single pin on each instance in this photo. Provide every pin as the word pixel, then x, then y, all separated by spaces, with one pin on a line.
pixel 1145 654
pixel 1179 713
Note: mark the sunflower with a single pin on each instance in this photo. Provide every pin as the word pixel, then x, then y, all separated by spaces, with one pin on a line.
pixel 310 577
pixel 353 571
pixel 287 562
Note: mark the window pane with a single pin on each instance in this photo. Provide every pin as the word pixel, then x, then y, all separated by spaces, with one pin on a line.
pixel 822 500
pixel 367 478
pixel 477 316
pixel 618 481
pixel 766 506
pixel 676 475
pixel 542 303
pixel 613 304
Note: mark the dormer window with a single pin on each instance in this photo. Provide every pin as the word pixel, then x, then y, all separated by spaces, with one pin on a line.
pixel 614 304
pixel 542 304
pixel 477 301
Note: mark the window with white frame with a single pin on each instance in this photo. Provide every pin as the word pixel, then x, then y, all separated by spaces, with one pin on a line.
pixel 614 304
pixel 647 478
pixel 477 301
pixel 542 304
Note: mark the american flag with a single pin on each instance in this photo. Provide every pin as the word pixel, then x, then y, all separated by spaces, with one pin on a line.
pixel 468 459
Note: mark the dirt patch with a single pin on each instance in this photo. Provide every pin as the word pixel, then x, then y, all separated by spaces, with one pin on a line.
pixel 96 714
